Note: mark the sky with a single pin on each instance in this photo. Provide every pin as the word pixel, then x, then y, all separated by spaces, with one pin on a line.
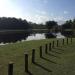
pixel 38 11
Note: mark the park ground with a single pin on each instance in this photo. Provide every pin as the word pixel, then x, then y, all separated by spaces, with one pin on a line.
pixel 59 61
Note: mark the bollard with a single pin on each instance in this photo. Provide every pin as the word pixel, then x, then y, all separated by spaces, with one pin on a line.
pixel 71 40
pixel 57 42
pixel 63 42
pixel 26 62
pixel 67 41
pixel 33 56
pixel 40 51
pixel 10 68
pixel 46 48
pixel 53 44
pixel 50 47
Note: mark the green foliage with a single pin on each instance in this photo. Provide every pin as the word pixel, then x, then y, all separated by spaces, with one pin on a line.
pixel 13 23
pixel 37 26
pixel 70 24
pixel 51 24
pixel 67 25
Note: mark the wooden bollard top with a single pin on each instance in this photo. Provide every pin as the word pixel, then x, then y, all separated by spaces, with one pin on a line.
pixel 11 62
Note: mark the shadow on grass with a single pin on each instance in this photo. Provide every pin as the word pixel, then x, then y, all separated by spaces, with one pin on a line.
pixel 29 73
pixel 48 60
pixel 35 63
pixel 66 45
pixel 56 52
pixel 59 49
pixel 53 55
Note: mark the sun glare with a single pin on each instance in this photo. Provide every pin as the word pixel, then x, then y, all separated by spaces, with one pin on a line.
pixel 8 9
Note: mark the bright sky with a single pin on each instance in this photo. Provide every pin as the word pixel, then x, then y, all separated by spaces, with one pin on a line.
pixel 38 11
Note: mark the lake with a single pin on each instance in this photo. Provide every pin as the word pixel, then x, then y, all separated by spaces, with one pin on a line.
pixel 39 36
pixel 20 37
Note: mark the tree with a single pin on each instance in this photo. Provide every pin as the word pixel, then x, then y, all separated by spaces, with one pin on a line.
pixel 73 23
pixel 67 25
pixel 37 26
pixel 67 28
pixel 51 25
pixel 13 23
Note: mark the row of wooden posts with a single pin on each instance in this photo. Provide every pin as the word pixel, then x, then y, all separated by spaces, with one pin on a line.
pixel 51 45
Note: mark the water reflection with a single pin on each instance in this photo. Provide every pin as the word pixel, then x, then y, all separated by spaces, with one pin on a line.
pixel 14 37
pixel 67 33
pixel 59 35
pixel 37 36
pixel 50 35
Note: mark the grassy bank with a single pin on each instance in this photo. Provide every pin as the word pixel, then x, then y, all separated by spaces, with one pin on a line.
pixel 60 61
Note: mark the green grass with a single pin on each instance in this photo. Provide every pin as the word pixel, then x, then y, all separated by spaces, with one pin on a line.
pixel 64 62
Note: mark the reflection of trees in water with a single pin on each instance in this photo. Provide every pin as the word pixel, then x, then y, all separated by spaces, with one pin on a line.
pixel 13 37
pixel 50 35
pixel 67 33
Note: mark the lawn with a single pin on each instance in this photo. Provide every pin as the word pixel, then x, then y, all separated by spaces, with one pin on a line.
pixel 59 61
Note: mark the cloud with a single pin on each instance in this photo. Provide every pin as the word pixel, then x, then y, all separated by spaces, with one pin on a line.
pixel 59 18
pixel 43 18
pixel 66 12
pixel 43 1
pixel 41 12
pixel 51 14
pixel 37 18
pixel 8 9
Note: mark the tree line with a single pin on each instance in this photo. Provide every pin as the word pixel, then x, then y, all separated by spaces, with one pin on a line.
pixel 12 23
pixel 69 24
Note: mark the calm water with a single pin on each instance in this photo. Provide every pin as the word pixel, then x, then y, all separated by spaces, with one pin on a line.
pixel 42 36
pixel 36 37
pixel 11 38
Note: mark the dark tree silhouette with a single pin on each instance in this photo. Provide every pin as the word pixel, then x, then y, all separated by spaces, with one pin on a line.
pixel 13 23
pixel 37 26
pixel 68 28
pixel 51 24
pixel 67 25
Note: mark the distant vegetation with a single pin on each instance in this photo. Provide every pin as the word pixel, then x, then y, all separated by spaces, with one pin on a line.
pixel 68 27
pixel 13 24
pixel 8 23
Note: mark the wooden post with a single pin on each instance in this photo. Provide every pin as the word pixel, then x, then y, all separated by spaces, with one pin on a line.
pixel 63 42
pixel 26 62
pixel 67 41
pixel 10 68
pixel 46 48
pixel 71 40
pixel 40 51
pixel 57 42
pixel 53 44
pixel 33 56
pixel 50 47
